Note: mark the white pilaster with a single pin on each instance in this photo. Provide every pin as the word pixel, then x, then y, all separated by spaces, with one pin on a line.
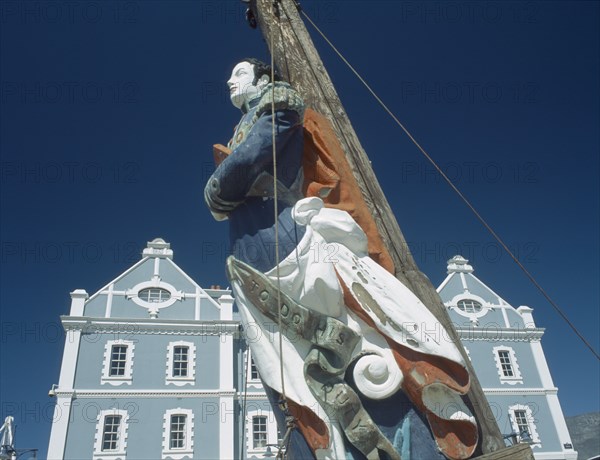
pixel 197 304
pixel 69 361
pixel 541 364
pixel 226 302
pixel 109 301
pixel 559 421
pixel 226 428
pixel 525 312
pixel 60 424
pixel 226 367
pixel 78 298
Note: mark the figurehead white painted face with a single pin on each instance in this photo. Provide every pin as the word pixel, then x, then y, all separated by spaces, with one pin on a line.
pixel 241 87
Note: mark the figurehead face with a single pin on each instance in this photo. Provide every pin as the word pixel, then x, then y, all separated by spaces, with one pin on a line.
pixel 244 85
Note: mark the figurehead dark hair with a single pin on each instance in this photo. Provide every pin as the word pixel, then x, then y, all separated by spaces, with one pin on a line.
pixel 261 68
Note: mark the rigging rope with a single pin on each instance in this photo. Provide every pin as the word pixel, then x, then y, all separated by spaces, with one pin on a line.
pixel 451 184
pixel 245 374
pixel 283 405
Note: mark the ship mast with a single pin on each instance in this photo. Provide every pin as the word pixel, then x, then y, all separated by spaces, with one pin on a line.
pixel 298 61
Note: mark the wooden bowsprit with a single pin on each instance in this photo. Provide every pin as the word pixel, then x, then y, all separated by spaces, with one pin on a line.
pixel 299 63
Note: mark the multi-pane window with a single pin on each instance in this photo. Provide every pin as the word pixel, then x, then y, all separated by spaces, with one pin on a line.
pixel 505 363
pixel 118 360
pixel 154 295
pixel 253 370
pixel 110 433
pixel 469 306
pixel 259 432
pixel 180 361
pixel 521 421
pixel 177 437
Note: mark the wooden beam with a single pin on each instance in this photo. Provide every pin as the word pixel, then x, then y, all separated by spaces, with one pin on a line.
pixel 299 63
pixel 518 452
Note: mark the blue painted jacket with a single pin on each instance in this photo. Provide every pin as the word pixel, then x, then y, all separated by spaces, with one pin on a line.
pixel 242 186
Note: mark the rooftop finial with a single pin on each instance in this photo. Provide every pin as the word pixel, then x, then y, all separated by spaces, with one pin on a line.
pixel 458 264
pixel 158 248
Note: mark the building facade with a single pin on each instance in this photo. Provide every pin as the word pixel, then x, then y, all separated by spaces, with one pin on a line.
pixel 156 367
pixel 504 346
pixel 153 368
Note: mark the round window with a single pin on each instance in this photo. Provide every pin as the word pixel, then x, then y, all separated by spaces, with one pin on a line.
pixel 469 306
pixel 154 295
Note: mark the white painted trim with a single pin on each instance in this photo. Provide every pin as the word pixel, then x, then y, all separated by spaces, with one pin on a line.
pixel 530 422
pixel 251 384
pixel 156 271
pixel 542 365
pixel 78 298
pixel 271 430
pixel 69 362
pixel 120 379
pixel 188 450
pixel 486 307
pixel 501 301
pixel 494 333
pixel 64 395
pixel 120 453
pixel 133 294
pixel 520 391
pixel 463 281
pixel 559 420
pixel 60 426
pixel 117 279
pixel 190 379
pixel 226 363
pixel 560 455
pixel 197 302
pixel 226 427
pixel 109 301
pixel 187 277
pixel 226 303
pixel 505 315
pixel 517 377
pixel 151 326
pixel 166 393
pixel 445 282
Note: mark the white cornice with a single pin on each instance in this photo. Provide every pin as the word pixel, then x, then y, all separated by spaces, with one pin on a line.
pixel 90 393
pixel 500 333
pixel 133 326
pixel 251 396
pixel 520 391
pixel 166 393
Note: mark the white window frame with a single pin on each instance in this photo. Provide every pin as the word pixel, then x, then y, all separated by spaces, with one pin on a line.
pixel 190 379
pixel 264 432
pixel 188 450
pixel 516 377
pixel 133 294
pixel 119 453
pixel 271 429
pixel 533 433
pixel 252 383
pixel 473 316
pixel 116 380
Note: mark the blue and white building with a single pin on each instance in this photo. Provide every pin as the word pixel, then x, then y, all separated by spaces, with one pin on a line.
pixel 505 348
pixel 156 367
pixel 153 368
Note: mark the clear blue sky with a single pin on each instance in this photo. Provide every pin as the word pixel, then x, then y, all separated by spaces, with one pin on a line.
pixel 109 111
